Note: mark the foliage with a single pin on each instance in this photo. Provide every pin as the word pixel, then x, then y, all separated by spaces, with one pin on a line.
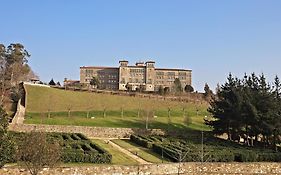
pixel 207 90
pixel 177 85
pixel 215 150
pixel 36 152
pixel 13 69
pixel 75 147
pixel 7 148
pixel 95 82
pixel 52 82
pixel 161 90
pixel 248 108
pixel 188 88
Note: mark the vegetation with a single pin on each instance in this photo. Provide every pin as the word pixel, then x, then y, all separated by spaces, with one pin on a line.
pixel 89 109
pixel 13 70
pixel 7 148
pixel 35 152
pixel 118 157
pixel 248 108
pixel 140 151
pixel 75 147
pixel 189 149
pixel 95 82
pixel 188 88
pixel 177 86
pixel 52 82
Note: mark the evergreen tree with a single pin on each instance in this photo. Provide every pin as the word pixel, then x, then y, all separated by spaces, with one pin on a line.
pixel 188 88
pixel 52 82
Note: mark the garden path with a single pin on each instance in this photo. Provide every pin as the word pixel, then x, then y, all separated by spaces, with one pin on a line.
pixel 128 153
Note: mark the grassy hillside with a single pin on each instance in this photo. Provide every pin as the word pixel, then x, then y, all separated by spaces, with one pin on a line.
pixel 84 105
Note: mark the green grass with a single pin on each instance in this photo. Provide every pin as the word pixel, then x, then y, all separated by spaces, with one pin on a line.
pixel 40 100
pixel 117 156
pixel 142 152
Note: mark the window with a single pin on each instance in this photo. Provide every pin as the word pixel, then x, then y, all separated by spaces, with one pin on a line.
pixel 89 73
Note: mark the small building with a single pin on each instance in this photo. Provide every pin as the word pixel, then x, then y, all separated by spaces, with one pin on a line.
pixel 71 83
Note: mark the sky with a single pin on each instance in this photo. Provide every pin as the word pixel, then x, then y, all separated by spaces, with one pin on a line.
pixel 213 38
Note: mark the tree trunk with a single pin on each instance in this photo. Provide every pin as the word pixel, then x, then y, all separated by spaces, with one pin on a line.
pixel 104 112
pixel 88 113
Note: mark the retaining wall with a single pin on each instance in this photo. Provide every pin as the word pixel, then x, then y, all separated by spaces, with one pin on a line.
pixel 159 169
pixel 91 132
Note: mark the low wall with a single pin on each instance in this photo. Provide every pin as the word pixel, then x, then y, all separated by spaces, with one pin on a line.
pixel 159 169
pixel 91 132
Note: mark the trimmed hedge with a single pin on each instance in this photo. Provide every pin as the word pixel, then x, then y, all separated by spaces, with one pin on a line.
pixel 182 150
pixel 75 148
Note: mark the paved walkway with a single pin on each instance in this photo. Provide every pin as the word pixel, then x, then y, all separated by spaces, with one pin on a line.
pixel 128 153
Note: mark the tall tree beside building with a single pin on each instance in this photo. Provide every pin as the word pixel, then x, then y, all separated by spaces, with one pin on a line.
pixel 95 82
pixel 13 69
pixel 177 85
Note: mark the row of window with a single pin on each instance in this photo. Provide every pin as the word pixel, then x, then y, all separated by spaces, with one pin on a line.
pixel 136 70
pixel 136 74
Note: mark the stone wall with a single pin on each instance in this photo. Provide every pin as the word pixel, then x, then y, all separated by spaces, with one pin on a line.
pixel 91 132
pixel 158 169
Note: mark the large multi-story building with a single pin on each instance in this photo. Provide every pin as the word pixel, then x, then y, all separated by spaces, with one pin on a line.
pixel 141 76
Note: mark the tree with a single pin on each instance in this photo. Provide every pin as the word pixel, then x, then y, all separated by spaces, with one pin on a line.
pixel 128 87
pixel 249 109
pixel 161 90
pixel 52 82
pixel 7 147
pixel 13 69
pixel 207 90
pixel 58 84
pixel 188 88
pixel 166 90
pixel 36 152
pixel 177 85
pixel 95 82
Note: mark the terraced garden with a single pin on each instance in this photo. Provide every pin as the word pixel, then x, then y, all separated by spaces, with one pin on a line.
pixel 59 107
pixel 214 149
pixel 76 148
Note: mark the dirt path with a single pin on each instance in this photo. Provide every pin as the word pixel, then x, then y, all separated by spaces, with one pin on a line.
pixel 128 153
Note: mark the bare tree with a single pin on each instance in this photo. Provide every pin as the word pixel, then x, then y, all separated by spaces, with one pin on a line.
pixel 147 114
pixel 35 152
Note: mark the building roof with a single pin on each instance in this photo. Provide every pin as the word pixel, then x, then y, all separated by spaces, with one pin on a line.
pixel 98 67
pixel 173 69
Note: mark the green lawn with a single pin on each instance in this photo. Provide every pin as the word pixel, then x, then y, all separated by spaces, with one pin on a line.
pixel 87 109
pixel 117 156
pixel 142 152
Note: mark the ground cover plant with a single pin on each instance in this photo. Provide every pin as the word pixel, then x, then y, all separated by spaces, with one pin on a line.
pixel 214 149
pixel 75 147
pixel 59 107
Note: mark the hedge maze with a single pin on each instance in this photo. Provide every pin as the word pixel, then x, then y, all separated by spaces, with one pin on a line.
pixel 216 150
pixel 75 147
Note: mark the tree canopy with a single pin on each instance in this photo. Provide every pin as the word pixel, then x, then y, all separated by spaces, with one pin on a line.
pixel 13 68
pixel 248 108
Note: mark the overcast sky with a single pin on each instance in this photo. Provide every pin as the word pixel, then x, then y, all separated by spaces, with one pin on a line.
pixel 210 37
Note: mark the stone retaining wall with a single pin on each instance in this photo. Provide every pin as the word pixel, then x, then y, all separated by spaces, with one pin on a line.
pixel 159 169
pixel 91 132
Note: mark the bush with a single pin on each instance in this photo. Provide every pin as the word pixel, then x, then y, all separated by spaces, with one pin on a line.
pixel 141 141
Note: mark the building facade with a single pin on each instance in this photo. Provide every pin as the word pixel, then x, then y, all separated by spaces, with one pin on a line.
pixel 140 76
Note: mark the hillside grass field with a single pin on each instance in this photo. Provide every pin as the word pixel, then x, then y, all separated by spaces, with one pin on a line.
pixel 59 107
